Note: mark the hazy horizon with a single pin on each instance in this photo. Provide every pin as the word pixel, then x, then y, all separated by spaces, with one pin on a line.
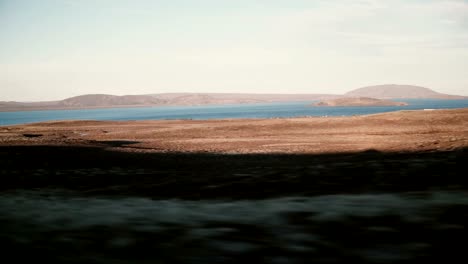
pixel 54 49
pixel 196 92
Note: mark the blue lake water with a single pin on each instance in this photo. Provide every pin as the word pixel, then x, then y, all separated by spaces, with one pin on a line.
pixel 267 110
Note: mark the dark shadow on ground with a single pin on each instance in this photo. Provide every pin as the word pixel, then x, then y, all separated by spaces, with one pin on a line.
pixel 116 143
pixel 29 135
pixel 97 171
pixel 104 224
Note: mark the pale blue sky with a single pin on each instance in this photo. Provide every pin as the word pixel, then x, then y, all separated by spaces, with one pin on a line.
pixel 53 49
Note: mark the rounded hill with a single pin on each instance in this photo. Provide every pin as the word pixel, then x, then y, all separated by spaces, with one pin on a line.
pixel 389 91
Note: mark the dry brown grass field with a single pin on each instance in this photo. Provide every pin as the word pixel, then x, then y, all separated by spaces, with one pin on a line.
pixel 396 131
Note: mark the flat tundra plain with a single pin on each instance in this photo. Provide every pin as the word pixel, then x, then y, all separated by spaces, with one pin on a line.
pixel 430 130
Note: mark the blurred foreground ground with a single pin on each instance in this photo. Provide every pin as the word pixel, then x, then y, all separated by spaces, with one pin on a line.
pixel 59 227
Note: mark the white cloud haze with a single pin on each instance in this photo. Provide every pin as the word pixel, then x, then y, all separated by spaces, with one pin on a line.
pixel 56 49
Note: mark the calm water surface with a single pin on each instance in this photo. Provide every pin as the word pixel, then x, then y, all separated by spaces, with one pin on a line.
pixel 270 110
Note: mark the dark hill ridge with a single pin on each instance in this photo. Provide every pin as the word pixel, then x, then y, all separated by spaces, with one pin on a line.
pixel 392 91
pixel 388 91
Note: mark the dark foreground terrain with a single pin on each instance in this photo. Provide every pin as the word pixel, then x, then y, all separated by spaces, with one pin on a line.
pixel 96 171
pixel 92 205
pixel 388 188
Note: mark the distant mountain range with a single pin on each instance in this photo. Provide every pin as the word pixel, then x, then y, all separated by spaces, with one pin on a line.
pixel 389 91
pixel 359 101
pixel 395 91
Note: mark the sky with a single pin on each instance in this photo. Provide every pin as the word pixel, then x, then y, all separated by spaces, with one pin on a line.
pixel 54 49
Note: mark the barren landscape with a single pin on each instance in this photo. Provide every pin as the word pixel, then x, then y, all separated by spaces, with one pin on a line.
pixel 397 151
pixel 428 130
pixel 381 188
